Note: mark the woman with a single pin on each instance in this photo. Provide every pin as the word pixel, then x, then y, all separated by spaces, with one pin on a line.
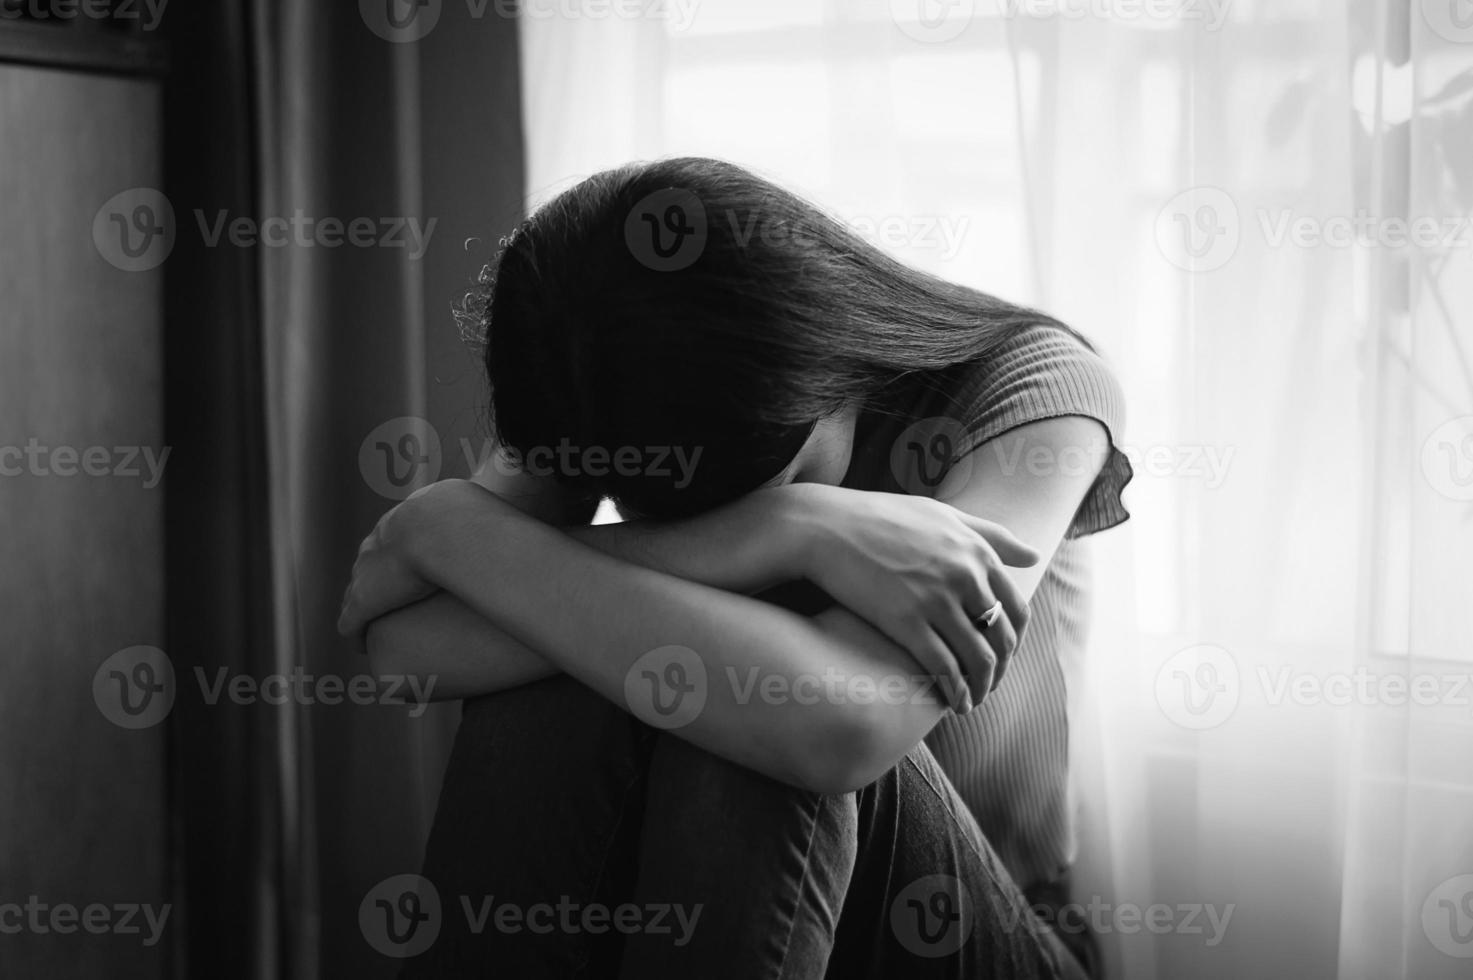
pixel 790 700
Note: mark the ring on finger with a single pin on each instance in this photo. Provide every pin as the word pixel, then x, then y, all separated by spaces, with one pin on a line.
pixel 989 617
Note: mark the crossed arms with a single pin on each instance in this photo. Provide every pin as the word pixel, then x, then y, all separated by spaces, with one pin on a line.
pixel 493 583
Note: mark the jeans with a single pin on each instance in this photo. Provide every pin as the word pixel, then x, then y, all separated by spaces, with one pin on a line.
pixel 572 840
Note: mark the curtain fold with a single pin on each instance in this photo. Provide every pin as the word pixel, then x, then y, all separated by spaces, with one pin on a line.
pixel 326 347
pixel 224 795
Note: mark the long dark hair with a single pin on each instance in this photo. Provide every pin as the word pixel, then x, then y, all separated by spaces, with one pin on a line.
pixel 690 303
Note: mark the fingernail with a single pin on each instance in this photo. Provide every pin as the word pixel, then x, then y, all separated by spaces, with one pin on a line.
pixel 967 703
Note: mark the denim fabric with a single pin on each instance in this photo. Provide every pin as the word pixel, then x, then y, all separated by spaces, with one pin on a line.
pixel 556 799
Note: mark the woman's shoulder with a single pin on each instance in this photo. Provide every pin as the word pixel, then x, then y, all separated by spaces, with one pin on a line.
pixel 1047 371
pixel 1037 372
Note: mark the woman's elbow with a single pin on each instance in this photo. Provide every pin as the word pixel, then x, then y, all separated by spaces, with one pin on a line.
pixel 382 650
pixel 391 662
pixel 853 749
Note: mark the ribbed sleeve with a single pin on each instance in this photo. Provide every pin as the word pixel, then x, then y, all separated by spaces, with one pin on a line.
pixel 1041 373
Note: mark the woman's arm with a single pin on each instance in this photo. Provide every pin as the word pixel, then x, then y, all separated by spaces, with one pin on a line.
pixel 890 555
pixel 828 702
pixel 605 621
pixel 745 547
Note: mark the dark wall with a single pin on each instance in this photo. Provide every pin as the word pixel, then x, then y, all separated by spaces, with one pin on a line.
pixel 83 803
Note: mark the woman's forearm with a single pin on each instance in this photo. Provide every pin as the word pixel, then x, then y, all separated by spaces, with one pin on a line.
pixel 741 547
pixel 821 703
pixel 746 546
pixel 452 650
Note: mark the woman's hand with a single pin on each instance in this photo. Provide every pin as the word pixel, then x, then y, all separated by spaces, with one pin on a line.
pixel 393 568
pixel 922 572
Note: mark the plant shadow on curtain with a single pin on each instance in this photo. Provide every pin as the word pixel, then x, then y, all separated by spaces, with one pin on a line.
pixel 292 367
pixel 1297 372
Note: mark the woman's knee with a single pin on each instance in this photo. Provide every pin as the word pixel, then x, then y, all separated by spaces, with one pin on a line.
pixel 557 721
pixel 558 699
pixel 540 804
pixel 766 866
pixel 518 753
pixel 696 799
pixel 546 762
pixel 694 777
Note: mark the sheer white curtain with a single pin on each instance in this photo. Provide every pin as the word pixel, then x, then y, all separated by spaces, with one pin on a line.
pixel 1259 210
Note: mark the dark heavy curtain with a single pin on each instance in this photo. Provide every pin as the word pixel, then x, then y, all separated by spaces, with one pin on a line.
pixel 281 360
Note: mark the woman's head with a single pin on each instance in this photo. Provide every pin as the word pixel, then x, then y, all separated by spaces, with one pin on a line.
pixel 688 310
